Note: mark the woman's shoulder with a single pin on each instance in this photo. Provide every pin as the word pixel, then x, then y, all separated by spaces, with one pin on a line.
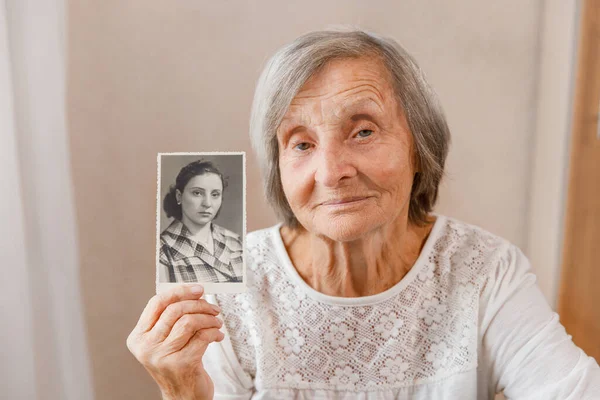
pixel 265 244
pixel 455 234
pixel 469 249
pixel 230 238
pixel 476 256
pixel 173 232
pixel 261 237
pixel 252 238
pixel 225 232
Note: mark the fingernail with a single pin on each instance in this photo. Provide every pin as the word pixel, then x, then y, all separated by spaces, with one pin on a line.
pixel 197 289
pixel 216 308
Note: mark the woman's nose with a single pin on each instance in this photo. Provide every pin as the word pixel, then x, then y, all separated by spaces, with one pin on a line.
pixel 334 165
pixel 206 203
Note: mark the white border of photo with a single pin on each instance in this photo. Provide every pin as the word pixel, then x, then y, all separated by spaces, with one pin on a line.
pixel 209 287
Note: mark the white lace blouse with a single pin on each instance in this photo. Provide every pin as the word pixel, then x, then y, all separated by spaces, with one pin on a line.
pixel 467 321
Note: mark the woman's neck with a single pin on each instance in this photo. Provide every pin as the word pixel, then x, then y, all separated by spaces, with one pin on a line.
pixel 367 266
pixel 196 230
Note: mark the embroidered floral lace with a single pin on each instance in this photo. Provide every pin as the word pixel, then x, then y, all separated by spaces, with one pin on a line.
pixel 422 329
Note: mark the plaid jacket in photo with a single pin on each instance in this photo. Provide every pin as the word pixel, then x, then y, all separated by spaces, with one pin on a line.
pixel 189 261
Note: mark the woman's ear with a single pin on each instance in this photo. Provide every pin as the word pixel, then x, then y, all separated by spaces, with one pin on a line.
pixel 178 196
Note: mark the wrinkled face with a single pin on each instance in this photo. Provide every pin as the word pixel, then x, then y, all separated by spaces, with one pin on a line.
pixel 345 151
pixel 201 199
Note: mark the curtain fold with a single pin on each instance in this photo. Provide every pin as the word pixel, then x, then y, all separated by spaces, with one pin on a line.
pixel 44 350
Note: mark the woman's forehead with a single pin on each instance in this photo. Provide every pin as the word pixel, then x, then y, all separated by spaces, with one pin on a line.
pixel 207 181
pixel 341 75
pixel 343 86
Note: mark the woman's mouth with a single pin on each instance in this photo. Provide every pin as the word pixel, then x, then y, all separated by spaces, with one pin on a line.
pixel 345 201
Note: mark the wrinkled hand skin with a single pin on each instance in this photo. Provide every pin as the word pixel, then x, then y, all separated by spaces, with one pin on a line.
pixel 170 339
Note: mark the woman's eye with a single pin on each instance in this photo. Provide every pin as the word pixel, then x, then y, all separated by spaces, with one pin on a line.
pixel 215 195
pixel 363 133
pixel 302 146
pixel 196 193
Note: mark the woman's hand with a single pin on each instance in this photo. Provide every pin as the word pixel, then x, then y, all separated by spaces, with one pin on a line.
pixel 170 339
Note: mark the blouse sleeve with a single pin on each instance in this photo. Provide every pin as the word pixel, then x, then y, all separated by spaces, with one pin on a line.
pixel 220 362
pixel 527 350
pixel 163 266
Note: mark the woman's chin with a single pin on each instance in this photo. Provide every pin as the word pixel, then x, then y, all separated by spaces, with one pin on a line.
pixel 200 221
pixel 345 229
pixel 203 221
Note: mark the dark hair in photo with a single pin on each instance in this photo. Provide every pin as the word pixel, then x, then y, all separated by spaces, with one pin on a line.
pixel 195 168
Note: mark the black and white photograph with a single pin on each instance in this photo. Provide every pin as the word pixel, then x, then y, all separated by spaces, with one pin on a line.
pixel 201 220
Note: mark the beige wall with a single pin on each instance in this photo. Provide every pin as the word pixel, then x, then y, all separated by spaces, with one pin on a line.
pixel 159 76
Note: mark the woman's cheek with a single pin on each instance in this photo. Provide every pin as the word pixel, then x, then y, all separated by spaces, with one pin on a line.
pixel 291 167
pixel 188 201
pixel 293 188
pixel 295 176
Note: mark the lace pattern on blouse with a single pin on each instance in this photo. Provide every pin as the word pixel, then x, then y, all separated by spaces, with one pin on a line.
pixel 427 331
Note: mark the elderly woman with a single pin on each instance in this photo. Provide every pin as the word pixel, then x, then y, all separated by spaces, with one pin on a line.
pixel 192 247
pixel 361 291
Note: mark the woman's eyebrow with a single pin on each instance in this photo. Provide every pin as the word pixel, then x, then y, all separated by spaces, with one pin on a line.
pixel 363 106
pixel 362 117
pixel 285 133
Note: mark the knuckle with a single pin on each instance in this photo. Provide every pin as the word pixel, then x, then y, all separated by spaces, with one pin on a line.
pixel 172 291
pixel 164 299
pixel 212 321
pixel 141 355
pixel 153 360
pixel 203 335
pixel 172 311
pixel 208 335
pixel 156 301
pixel 187 322
pixel 143 358
pixel 148 354
pixel 206 307
pixel 203 305
pixel 179 292
pixel 130 342
pixel 207 321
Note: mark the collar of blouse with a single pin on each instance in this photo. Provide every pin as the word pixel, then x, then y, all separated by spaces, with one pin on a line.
pixel 178 237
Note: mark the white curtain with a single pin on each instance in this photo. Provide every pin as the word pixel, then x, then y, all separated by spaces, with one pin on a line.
pixel 43 343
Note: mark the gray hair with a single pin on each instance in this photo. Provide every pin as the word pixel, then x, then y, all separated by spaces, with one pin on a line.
pixel 293 64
